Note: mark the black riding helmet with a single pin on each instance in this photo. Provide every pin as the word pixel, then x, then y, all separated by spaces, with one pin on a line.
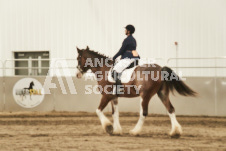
pixel 131 28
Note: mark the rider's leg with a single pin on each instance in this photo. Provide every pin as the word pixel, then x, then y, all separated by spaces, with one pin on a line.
pixel 118 85
pixel 118 68
pixel 123 64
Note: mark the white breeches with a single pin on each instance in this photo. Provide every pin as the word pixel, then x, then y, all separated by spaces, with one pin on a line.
pixel 123 64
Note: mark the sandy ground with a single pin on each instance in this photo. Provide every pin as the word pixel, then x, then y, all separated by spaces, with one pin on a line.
pixel 82 131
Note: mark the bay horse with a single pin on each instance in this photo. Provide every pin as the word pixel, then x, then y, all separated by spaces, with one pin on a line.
pixel 149 87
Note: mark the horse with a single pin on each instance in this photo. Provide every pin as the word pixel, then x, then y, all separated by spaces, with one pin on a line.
pixel 30 89
pixel 161 86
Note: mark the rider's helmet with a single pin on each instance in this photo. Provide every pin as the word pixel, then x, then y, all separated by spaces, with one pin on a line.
pixel 131 28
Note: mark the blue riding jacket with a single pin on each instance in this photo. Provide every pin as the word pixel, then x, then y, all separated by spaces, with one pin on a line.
pixel 128 45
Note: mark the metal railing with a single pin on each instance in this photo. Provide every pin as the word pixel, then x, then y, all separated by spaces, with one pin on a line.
pixel 3 66
pixel 215 66
pixel 51 61
pixel 22 60
pixel 206 58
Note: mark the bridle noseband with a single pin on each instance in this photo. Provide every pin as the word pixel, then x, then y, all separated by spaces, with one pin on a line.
pixel 80 70
pixel 79 66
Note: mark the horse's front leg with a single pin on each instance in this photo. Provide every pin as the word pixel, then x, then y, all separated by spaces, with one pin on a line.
pixel 106 124
pixel 115 114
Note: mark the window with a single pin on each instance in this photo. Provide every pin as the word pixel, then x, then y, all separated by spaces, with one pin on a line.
pixel 32 63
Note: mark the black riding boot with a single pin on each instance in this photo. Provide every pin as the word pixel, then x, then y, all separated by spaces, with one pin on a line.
pixel 118 84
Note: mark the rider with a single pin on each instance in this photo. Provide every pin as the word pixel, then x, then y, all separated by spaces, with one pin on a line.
pixel 128 55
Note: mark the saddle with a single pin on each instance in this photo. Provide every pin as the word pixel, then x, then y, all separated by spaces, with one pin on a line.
pixel 126 74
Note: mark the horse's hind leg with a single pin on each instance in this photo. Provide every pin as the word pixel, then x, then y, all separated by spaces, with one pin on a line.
pixel 176 130
pixel 115 114
pixel 106 124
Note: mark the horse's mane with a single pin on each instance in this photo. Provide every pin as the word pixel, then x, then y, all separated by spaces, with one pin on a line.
pixel 97 54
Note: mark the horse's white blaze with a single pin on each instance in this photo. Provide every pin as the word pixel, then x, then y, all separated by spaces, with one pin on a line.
pixel 103 119
pixel 138 128
pixel 116 125
pixel 176 127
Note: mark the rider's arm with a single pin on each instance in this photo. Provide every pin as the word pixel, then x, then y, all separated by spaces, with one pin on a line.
pixel 122 49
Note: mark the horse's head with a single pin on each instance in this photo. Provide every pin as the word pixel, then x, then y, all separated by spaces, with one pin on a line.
pixel 87 57
pixel 32 83
pixel 81 62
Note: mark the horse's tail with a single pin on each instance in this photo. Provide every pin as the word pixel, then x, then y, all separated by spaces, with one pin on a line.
pixel 172 81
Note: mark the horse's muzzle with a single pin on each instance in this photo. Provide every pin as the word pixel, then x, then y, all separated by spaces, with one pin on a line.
pixel 79 75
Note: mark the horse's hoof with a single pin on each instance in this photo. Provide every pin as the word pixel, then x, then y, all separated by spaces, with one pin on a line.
pixel 176 133
pixel 117 132
pixel 175 136
pixel 109 129
pixel 134 133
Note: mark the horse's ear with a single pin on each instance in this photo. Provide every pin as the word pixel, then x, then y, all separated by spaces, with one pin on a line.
pixel 79 50
pixel 87 48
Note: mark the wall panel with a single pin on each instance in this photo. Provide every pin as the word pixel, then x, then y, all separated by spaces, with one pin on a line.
pixel 210 100
pixel 59 26
pixel 1 94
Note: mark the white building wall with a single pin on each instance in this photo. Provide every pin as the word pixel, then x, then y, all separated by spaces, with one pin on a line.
pixel 199 26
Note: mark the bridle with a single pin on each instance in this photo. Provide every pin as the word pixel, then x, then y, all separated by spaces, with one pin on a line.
pixel 79 66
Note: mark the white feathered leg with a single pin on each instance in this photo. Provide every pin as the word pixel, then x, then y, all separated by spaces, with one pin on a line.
pixel 116 125
pixel 138 128
pixel 106 124
pixel 176 130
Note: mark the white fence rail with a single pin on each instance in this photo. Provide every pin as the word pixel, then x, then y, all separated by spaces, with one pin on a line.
pixel 208 67
pixel 8 66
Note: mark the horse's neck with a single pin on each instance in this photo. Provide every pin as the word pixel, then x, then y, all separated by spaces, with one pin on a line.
pixel 101 72
pixel 101 69
pixel 30 87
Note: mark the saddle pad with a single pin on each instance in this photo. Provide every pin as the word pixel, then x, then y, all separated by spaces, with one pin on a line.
pixel 125 77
